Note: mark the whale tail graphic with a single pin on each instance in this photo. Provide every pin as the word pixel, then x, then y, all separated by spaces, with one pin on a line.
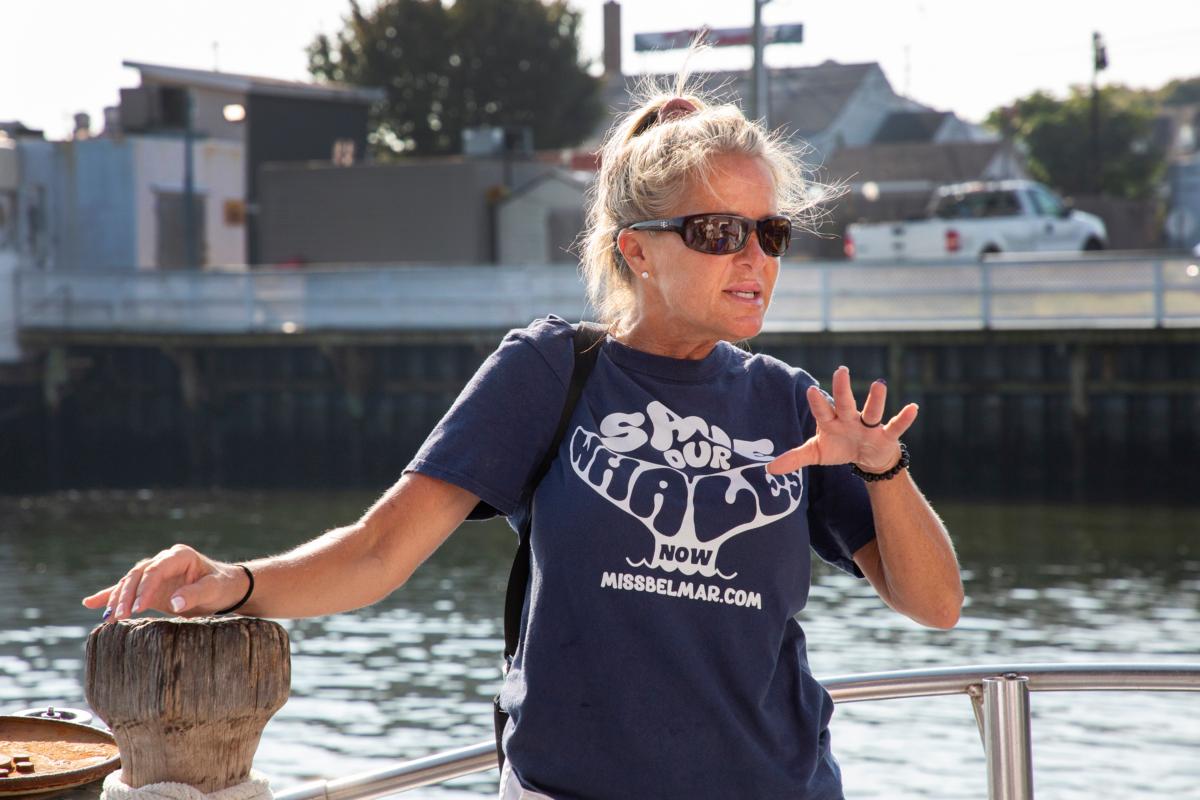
pixel 663 499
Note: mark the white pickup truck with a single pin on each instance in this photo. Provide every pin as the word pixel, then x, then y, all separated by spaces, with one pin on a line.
pixel 973 220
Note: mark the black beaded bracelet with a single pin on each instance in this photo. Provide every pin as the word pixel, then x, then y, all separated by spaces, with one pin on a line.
pixel 871 477
pixel 245 597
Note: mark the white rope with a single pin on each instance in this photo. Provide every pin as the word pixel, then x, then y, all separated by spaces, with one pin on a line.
pixel 257 787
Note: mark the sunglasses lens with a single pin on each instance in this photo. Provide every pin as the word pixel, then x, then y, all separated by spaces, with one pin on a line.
pixel 775 234
pixel 715 233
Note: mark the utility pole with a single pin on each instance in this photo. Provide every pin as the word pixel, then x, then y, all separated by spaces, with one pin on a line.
pixel 1099 63
pixel 191 251
pixel 758 108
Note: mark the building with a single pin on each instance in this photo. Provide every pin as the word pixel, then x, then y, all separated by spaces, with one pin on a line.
pixel 117 203
pixel 539 222
pixel 9 184
pixel 416 211
pixel 271 120
pixel 1179 136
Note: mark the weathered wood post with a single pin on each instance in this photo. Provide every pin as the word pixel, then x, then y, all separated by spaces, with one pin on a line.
pixel 187 700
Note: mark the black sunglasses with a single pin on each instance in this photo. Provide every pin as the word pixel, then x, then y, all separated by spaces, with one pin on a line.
pixel 721 234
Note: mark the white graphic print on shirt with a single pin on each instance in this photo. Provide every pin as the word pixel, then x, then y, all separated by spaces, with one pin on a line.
pixel 652 492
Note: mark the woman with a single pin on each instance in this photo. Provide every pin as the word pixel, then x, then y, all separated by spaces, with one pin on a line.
pixel 671 538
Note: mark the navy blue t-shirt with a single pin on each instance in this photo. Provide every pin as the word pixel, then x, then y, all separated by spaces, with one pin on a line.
pixel 660 657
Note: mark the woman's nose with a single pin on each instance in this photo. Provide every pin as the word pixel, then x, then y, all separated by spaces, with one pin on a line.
pixel 753 252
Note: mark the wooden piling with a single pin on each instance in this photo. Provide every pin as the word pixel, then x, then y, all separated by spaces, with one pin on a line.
pixel 187 700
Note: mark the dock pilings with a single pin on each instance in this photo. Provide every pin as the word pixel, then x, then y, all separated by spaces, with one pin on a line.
pixel 187 700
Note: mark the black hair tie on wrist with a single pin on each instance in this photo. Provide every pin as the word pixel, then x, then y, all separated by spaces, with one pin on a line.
pixel 871 477
pixel 245 597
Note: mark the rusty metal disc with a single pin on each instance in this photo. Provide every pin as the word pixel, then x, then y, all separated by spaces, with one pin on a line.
pixel 64 754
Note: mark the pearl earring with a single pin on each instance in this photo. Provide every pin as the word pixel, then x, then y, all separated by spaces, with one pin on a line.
pixel 645 274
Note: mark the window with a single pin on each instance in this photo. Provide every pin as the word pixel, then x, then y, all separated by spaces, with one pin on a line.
pixel 1000 204
pixel 1045 203
pixel 976 205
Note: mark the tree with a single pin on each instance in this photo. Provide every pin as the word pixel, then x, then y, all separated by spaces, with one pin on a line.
pixel 1181 92
pixel 1057 134
pixel 476 62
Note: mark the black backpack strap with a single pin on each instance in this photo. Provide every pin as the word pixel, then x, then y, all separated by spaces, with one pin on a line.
pixel 587 339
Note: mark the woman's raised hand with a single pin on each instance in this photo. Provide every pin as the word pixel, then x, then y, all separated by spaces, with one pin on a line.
pixel 178 580
pixel 845 435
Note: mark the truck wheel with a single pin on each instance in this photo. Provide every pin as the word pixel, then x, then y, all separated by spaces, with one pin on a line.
pixel 1093 244
pixel 990 250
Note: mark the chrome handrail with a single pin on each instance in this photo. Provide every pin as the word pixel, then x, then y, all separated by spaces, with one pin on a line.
pixel 999 695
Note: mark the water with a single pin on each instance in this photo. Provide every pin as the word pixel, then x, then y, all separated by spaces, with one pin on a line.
pixel 416 672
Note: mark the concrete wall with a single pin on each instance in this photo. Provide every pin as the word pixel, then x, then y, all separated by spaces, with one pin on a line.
pixel 421 212
pixel 157 165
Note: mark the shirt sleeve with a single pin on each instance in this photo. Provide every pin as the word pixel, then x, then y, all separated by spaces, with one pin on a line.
pixel 496 433
pixel 840 520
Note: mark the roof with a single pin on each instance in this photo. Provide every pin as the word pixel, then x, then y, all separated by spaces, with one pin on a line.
pixel 254 84
pixel 952 162
pixel 806 99
pixel 15 128
pixel 910 126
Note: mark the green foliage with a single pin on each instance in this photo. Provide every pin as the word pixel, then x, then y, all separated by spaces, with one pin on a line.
pixel 1058 137
pixel 476 62
pixel 1181 92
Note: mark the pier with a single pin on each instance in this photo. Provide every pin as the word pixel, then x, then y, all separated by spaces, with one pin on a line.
pixel 1065 375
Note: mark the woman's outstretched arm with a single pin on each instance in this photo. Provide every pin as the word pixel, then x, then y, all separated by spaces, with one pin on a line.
pixel 340 570
pixel 911 563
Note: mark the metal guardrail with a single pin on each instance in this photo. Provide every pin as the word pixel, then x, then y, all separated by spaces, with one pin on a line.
pixel 999 698
pixel 1110 290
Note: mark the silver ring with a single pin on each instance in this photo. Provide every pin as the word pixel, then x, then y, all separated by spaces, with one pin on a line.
pixel 867 424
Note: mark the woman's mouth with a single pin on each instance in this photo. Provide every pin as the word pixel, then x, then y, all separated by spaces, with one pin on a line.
pixel 745 296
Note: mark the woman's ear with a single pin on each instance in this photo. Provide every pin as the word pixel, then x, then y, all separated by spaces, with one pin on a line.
pixel 631 249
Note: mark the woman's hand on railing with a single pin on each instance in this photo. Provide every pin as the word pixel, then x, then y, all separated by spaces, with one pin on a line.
pixel 179 580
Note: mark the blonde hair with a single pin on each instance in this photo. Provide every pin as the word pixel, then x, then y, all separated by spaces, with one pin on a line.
pixel 648 165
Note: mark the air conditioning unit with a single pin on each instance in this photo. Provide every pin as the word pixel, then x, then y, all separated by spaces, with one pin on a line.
pixel 493 141
pixel 138 108
pixel 148 108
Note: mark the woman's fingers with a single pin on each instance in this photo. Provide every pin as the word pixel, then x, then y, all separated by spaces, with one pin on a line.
pixel 165 573
pixel 843 395
pixel 98 599
pixel 822 409
pixel 899 424
pixel 121 604
pixel 875 405
pixel 796 458
pixel 153 584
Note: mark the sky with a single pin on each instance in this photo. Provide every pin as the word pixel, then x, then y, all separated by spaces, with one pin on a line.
pixel 58 57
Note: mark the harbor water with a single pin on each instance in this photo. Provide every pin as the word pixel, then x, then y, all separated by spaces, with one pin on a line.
pixel 415 673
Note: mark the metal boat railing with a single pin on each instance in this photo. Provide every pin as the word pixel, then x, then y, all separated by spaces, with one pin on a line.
pixel 999 698
pixel 1107 290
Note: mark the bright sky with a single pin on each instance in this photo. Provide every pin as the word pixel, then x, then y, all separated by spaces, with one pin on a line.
pixel 63 56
